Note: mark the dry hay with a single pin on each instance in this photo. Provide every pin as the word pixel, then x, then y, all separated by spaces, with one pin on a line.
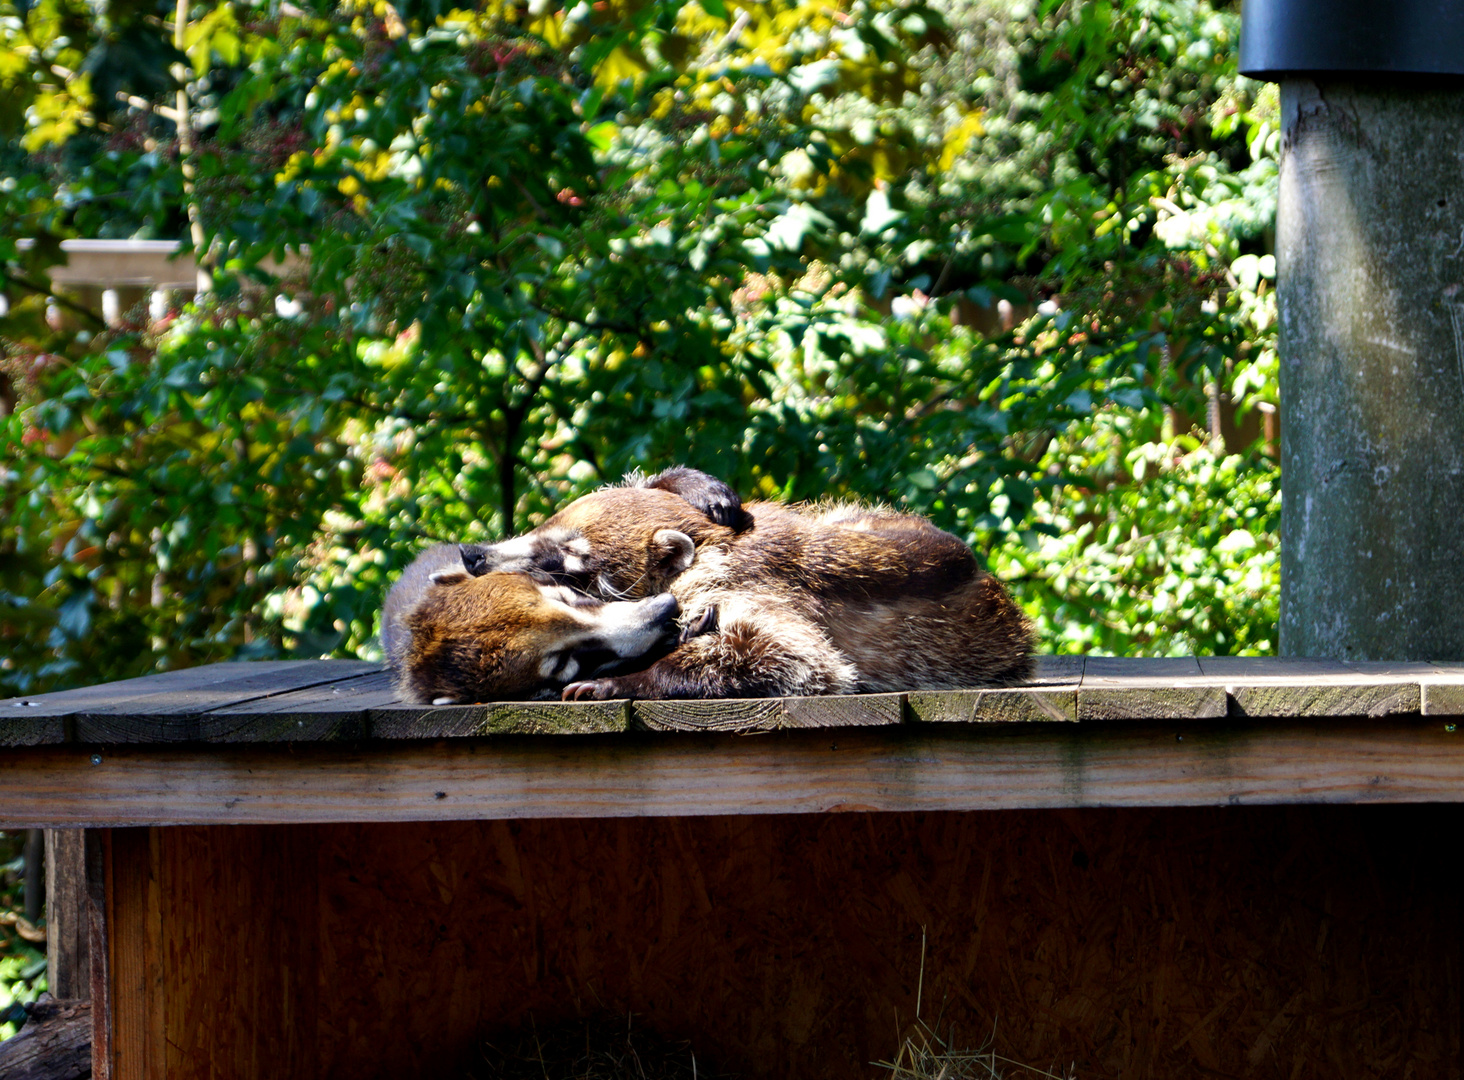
pixel 594 1049
pixel 926 1054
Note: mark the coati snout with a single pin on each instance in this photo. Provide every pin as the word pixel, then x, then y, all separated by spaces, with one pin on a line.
pixel 501 636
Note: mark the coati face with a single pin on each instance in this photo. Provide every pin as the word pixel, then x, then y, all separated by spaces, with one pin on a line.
pixel 621 543
pixel 502 636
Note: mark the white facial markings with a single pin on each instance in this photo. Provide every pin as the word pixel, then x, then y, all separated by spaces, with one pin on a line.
pixel 520 547
pixel 443 701
pixel 578 546
pixel 571 669
pixel 573 564
pixel 549 665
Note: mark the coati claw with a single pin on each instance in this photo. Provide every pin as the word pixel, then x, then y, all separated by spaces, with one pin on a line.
pixel 704 625
pixel 590 690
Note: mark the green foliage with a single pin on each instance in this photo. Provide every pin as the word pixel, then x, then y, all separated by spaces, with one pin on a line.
pixel 468 263
pixel 22 963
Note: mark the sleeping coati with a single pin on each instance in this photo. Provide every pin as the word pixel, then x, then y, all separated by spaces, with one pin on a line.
pixel 505 634
pixel 791 601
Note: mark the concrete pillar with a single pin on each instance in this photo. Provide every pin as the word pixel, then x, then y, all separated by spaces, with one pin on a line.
pixel 1370 256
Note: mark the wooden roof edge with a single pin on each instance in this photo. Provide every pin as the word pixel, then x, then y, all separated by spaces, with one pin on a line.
pixel 919 768
pixel 351 701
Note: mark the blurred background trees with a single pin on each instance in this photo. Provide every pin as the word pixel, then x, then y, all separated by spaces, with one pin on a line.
pixel 1000 263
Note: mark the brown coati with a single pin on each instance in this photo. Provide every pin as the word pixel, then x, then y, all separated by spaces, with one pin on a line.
pixel 508 636
pixel 797 601
pixel 497 635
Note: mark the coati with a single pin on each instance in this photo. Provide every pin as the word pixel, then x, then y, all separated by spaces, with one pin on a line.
pixel 793 601
pixel 521 634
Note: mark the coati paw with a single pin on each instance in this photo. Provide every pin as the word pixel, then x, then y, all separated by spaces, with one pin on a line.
pixel 593 690
pixel 704 625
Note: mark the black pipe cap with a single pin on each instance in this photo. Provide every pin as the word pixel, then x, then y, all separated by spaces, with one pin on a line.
pixel 1279 38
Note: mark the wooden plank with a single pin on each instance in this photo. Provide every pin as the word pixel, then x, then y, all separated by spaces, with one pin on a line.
pixel 65 703
pixel 68 970
pixel 175 715
pixel 412 721
pixel 1304 686
pixel 1147 688
pixel 98 889
pixel 1152 703
pixel 25 728
pixel 1245 668
pixel 1126 671
pixel 1354 695
pixel 1051 694
pixel 320 713
pixel 1014 706
pixel 991 767
pixel 742 715
pixel 1057 671
pixel 843 710
pixel 1441 699
pixel 749 715
pixel 132 869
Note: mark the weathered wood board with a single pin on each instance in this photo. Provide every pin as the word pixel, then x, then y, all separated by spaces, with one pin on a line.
pixel 924 768
pixel 350 701
pixel 1309 943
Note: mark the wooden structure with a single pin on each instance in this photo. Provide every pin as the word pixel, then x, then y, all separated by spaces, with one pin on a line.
pixel 1166 868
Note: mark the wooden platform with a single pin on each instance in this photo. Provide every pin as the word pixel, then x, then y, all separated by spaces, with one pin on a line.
pixel 1091 870
pixel 330 741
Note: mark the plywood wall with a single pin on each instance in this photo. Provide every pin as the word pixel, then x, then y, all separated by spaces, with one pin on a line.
pixel 1293 943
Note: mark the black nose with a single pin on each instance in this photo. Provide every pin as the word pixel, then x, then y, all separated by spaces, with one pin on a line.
pixel 664 607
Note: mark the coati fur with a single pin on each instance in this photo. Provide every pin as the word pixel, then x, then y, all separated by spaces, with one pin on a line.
pixel 797 600
pixel 494 635
pixel 505 635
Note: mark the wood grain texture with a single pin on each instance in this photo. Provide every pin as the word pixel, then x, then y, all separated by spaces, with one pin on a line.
pixel 55 1043
pixel 1057 670
pixel 843 710
pixel 1442 699
pixel 1306 943
pixel 240 957
pixel 734 715
pixel 322 712
pixel 120 693
pixel 132 917
pixel 179 714
pixel 19 726
pixel 1147 688
pixel 98 843
pixel 1395 759
pixel 411 721
pixel 1126 671
pixel 1155 701
pixel 68 970
pixel 349 701
pixel 1339 697
pixel 1016 706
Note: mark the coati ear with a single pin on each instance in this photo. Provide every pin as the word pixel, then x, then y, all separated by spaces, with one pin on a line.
pixel 475 558
pixel 449 577
pixel 679 549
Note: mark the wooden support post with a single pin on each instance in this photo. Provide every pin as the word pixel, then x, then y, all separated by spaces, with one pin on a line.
pixel 68 971
pixel 98 844
pixel 1370 256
